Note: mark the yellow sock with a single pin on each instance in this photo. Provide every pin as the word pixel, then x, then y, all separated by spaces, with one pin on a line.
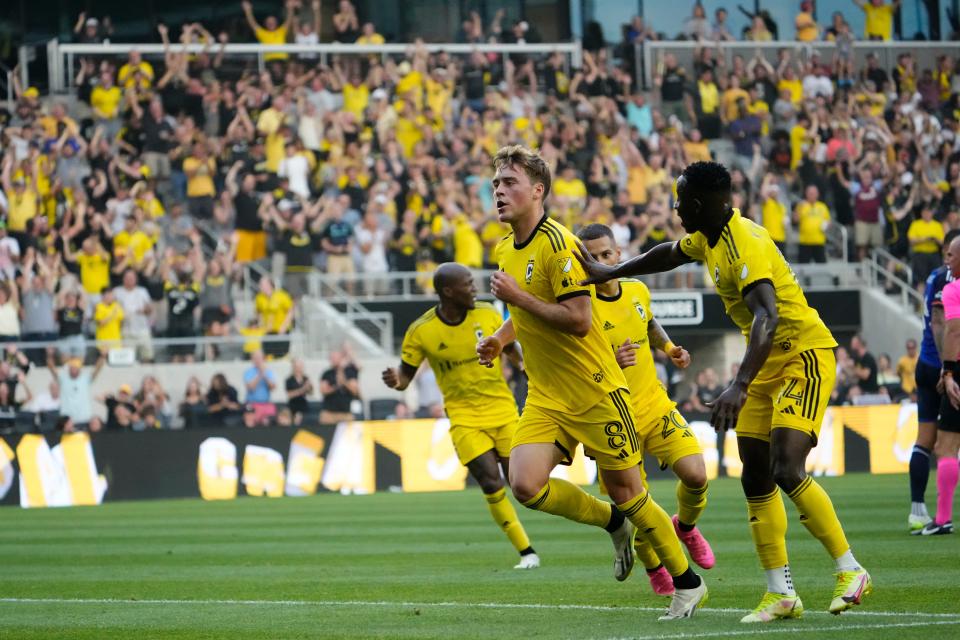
pixel 562 498
pixel 691 501
pixel 653 525
pixel 506 518
pixel 818 516
pixel 768 527
pixel 645 553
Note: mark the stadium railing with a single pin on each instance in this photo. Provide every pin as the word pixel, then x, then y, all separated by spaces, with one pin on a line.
pixel 886 271
pixel 647 55
pixel 61 57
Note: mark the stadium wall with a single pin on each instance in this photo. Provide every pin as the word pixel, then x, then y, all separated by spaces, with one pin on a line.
pixel 359 457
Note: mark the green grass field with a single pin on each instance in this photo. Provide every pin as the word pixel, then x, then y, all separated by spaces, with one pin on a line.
pixel 434 566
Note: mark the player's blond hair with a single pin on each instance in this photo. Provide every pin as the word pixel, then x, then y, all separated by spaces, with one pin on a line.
pixel 530 161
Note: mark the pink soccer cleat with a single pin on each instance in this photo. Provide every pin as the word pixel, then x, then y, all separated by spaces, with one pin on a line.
pixel 696 544
pixel 661 581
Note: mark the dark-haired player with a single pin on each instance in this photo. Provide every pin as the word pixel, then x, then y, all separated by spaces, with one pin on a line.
pixel 777 400
pixel 481 408
pixel 631 331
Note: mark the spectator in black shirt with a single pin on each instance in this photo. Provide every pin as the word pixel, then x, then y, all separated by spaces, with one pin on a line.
pixel 250 215
pixel 70 318
pixel 340 387
pixel 182 291
pixel 121 412
pixel 337 241
pixel 223 403
pixel 158 140
pixel 865 365
pixel 299 388
pixel 672 82
pixel 474 81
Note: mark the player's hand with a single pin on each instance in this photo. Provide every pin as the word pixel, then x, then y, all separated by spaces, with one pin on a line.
pixel 504 287
pixel 953 391
pixel 390 377
pixel 597 272
pixel 727 407
pixel 680 357
pixel 488 350
pixel 627 354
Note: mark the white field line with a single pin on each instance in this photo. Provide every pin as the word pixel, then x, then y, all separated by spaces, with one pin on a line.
pixel 949 618
pixel 788 628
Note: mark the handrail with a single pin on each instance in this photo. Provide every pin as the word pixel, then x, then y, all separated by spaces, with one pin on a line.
pixel 910 298
pixel 59 51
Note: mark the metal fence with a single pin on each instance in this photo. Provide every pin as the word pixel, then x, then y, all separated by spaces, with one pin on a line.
pixel 62 57
pixel 649 53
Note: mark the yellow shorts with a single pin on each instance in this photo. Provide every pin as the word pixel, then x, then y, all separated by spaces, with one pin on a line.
pixel 669 437
pixel 794 396
pixel 251 245
pixel 607 430
pixel 471 442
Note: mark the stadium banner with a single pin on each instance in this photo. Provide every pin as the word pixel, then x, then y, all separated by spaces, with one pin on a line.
pixel 361 457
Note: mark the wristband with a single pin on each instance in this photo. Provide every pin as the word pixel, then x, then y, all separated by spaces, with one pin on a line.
pixel 667 348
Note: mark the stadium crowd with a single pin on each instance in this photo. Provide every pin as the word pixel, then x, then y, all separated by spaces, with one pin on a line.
pixel 130 210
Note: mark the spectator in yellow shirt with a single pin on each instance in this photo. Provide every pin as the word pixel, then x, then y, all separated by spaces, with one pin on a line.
pixel 926 239
pixel 879 18
pixel 807 29
pixel 370 35
pixel 200 168
pixel 773 213
pixel 137 73
pixel 108 316
pixel 94 263
pixel 271 32
pixel 813 219
pixel 270 124
pixel 105 101
pixel 907 368
pixel 274 308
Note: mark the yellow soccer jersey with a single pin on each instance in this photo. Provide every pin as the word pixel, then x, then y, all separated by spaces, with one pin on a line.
pixel 473 395
pixel 745 256
pixel 626 316
pixel 566 373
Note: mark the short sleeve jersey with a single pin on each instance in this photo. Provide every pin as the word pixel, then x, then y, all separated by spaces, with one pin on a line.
pixel 627 316
pixel 566 373
pixel 744 257
pixel 473 395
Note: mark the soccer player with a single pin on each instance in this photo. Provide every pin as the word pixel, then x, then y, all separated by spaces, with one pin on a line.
pixel 576 391
pixel 928 397
pixel 631 330
pixel 482 411
pixel 948 433
pixel 777 400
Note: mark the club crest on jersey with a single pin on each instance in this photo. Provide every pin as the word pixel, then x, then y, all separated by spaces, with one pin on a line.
pixel 478 331
pixel 640 310
pixel 529 275
pixel 565 264
pixel 743 273
pixel 716 275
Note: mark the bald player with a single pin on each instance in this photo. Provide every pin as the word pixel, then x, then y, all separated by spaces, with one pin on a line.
pixel 482 411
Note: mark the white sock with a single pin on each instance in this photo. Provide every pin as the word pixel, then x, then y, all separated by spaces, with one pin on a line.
pixel 847 562
pixel 919 509
pixel 780 581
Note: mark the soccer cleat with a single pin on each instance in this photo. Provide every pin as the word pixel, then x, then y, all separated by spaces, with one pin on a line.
pixel 696 544
pixel 934 529
pixel 916 523
pixel 529 561
pixel 851 587
pixel 623 558
pixel 775 606
pixel 685 602
pixel 661 581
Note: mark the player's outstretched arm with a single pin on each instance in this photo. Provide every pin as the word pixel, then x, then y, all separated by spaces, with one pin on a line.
pixel 663 257
pixel 572 315
pixel 399 378
pixel 762 302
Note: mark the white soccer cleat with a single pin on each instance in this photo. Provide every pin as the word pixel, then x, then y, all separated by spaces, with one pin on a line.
pixel 775 606
pixel 529 561
pixel 916 523
pixel 623 558
pixel 685 602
